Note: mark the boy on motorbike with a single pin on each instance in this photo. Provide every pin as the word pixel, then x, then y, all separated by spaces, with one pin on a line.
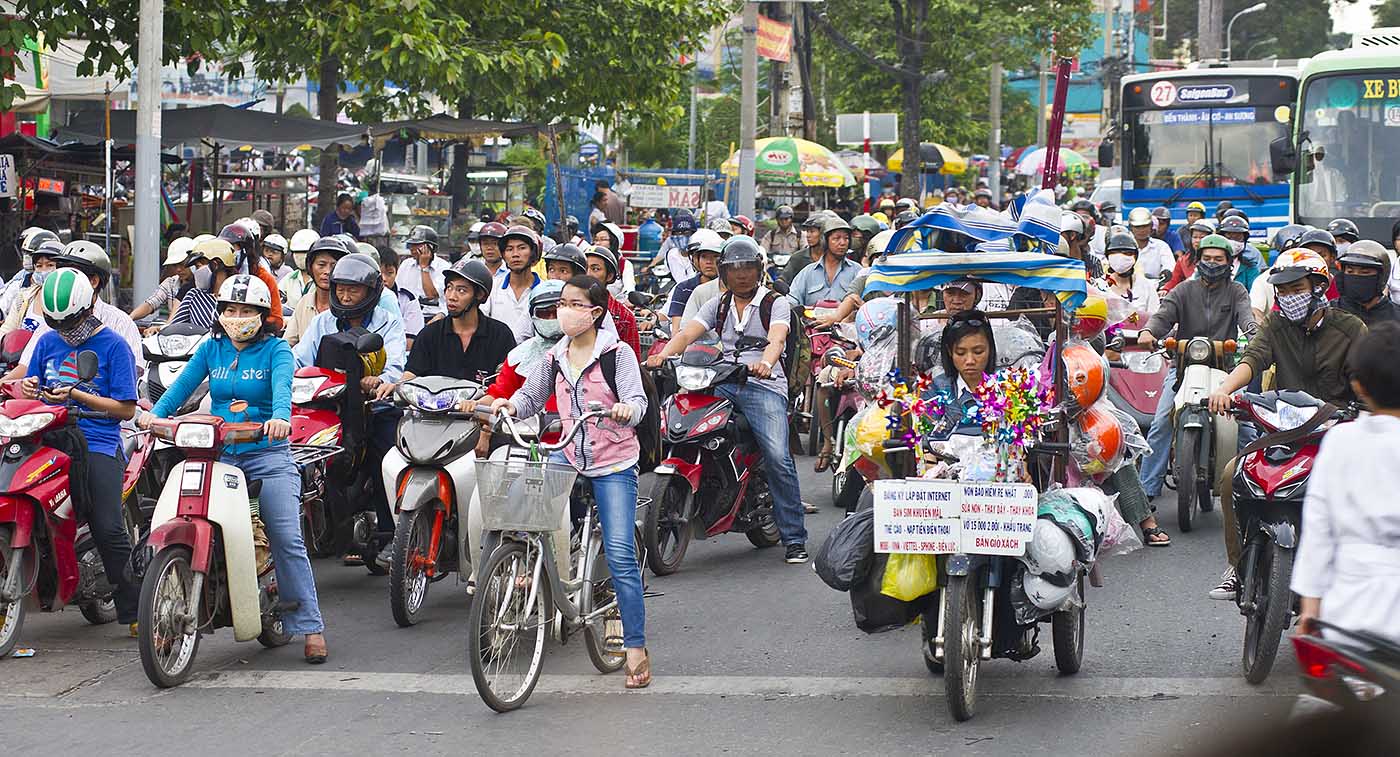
pixel 249 370
pixel 51 376
pixel 763 399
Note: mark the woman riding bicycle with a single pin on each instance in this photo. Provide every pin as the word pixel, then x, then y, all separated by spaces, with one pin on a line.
pixel 250 379
pixel 605 454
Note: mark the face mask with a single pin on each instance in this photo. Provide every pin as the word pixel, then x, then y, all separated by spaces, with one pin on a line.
pixel 1239 247
pixel 574 322
pixel 241 329
pixel 81 332
pixel 1359 289
pixel 202 277
pixel 38 277
pixel 1121 263
pixel 548 328
pixel 1212 272
pixel 1295 307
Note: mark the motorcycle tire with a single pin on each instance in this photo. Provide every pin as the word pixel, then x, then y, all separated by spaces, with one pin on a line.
pixel 672 507
pixel 99 612
pixel 765 534
pixel 165 670
pixel 848 496
pixel 1186 480
pixel 1273 604
pixel 11 617
pixel 1067 632
pixel 504 568
pixel 408 585
pixel 603 636
pixel 962 657
pixel 274 631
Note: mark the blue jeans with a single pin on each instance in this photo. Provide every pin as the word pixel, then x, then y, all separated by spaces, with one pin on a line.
pixel 616 495
pixel 279 506
pixel 766 413
pixel 1159 438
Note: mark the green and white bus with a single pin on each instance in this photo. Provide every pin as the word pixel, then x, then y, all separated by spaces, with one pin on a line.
pixel 1344 153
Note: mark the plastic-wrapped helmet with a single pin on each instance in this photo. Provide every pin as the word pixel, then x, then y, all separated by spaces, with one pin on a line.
pixel 1318 237
pixel 866 225
pixel 474 272
pixel 1217 242
pixel 67 298
pixel 1233 224
pixel 1297 263
pixel 546 294
pixel 1051 551
pixel 526 234
pixel 245 290
pixel 744 223
pixel 360 269
pixel 607 255
pixel 1139 217
pixel 536 217
pixel 683 223
pixel 876 319
pixel 1287 236
pixel 704 240
pixel 492 230
pixel 568 253
pixel 1121 241
pixel 88 258
pixel 178 252
pixel 216 249
pixel 1343 228
pixel 1046 594
pixel 33 237
pixel 614 234
pixel 423 235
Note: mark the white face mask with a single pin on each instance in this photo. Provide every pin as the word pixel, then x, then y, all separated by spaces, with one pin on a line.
pixel 202 277
pixel 1121 263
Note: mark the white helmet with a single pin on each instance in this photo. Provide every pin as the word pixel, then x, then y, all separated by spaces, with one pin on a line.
pixel 303 240
pixel 203 238
pixel 244 289
pixel 705 240
pixel 178 251
pixel 1044 594
pixel 67 293
pixel 275 241
pixel 1051 551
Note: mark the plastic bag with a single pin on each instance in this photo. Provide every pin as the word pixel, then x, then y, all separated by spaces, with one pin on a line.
pixel 1119 538
pixel 908 577
pixel 1063 507
pixel 844 559
pixel 373 218
pixel 874 612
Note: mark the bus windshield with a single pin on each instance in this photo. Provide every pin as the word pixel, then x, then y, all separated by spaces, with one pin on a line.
pixel 1202 148
pixel 1350 147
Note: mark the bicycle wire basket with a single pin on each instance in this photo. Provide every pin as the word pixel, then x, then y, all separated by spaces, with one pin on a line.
pixel 518 495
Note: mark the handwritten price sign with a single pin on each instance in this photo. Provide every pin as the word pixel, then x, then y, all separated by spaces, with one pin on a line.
pixel 918 516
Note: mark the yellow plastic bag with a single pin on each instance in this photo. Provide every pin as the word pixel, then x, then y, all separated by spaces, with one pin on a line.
pixel 908 577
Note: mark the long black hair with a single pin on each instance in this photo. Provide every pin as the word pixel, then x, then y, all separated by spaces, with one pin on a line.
pixel 597 294
pixel 963 324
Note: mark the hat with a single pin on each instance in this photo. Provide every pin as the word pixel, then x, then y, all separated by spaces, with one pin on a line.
pixel 964 284
pixel 785 211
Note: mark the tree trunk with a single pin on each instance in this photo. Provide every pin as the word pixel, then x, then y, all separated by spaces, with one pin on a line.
pixel 909 179
pixel 457 182
pixel 328 103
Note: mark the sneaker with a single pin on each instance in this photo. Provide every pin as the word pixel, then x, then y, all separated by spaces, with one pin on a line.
pixel 385 556
pixel 796 554
pixel 1229 586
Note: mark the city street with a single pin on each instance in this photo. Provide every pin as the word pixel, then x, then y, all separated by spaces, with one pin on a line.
pixel 751 656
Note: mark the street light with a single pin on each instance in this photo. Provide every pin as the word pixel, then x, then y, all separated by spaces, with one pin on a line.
pixel 1230 27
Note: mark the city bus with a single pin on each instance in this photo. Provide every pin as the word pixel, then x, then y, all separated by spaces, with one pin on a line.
pixel 1202 134
pixel 1344 151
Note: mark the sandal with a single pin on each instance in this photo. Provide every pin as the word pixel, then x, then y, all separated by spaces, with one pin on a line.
pixel 824 458
pixel 315 651
pixel 1148 533
pixel 640 676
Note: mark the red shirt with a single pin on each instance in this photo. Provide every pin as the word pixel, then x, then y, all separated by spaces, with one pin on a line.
pixel 508 381
pixel 626 325
pixel 1183 270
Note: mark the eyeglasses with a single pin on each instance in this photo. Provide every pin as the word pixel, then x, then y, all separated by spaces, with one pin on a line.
pixel 576 305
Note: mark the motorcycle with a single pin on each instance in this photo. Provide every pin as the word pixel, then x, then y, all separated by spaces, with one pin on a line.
pixel 1270 481
pixel 44 549
pixel 710 480
pixel 822 341
pixel 201 568
pixel 846 482
pixel 432 468
pixel 1347 670
pixel 1202 441
pixel 167 353
pixel 330 412
pixel 12 349
pixel 1135 384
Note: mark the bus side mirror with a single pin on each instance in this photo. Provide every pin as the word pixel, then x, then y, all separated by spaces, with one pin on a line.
pixel 1282 156
pixel 1105 154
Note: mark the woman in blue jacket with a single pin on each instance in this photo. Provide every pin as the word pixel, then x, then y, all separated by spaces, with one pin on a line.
pixel 250 379
pixel 968 352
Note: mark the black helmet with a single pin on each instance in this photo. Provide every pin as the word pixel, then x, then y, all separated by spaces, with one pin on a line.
pixel 474 272
pixel 1233 223
pixel 904 218
pixel 740 250
pixel 1221 207
pixel 1234 212
pixel 331 245
pixel 356 269
pixel 1084 206
pixel 1343 228
pixel 49 248
pixel 1287 236
pixel 423 235
pixel 570 254
pixel 1318 236
pixel 1121 240
pixel 866 225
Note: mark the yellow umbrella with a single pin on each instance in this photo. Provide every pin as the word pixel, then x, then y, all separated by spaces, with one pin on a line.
pixel 948 159
pixel 788 160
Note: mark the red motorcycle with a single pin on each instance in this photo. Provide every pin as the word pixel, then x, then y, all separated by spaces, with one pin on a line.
pixel 710 480
pixel 12 348
pixel 44 549
pixel 1135 383
pixel 1270 481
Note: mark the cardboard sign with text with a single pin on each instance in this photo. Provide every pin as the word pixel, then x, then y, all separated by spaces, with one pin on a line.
pixel 929 517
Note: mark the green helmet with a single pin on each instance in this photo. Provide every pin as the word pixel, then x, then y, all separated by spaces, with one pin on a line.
pixel 866 225
pixel 1217 242
pixel 68 297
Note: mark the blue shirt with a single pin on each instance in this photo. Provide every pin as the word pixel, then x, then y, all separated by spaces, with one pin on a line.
pixel 1173 240
pixel 680 296
pixel 331 225
pixel 260 374
pixel 54 362
pixel 379 321
pixel 811 285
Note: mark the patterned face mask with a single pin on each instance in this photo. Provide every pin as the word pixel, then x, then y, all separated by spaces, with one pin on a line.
pixel 241 329
pixel 1295 307
pixel 81 332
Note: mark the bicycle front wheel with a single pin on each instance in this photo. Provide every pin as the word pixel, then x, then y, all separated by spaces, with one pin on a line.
pixel 508 624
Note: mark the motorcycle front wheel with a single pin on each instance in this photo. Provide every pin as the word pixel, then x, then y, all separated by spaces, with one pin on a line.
pixel 962 656
pixel 167 649
pixel 1273 603
pixel 1187 450
pixel 1067 632
pixel 408 569
pixel 12 614
pixel 666 528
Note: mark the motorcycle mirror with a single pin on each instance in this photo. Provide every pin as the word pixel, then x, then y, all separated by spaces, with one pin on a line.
pixel 750 343
pixel 779 286
pixel 87 365
pixel 368 343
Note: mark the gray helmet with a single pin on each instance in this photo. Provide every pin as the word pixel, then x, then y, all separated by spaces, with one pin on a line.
pixel 90 259
pixel 1343 228
pixel 365 248
pixel 360 269
pixel 1121 240
pixel 332 245
pixel 474 272
pixel 423 235
pixel 568 253
pixel 719 226
pixel 609 258
pixel 1237 224
pixel 740 250
pixel 834 224
pixel 904 218
pixel 51 248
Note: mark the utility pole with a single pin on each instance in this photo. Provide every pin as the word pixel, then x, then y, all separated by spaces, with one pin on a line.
pixel 1208 18
pixel 994 136
pixel 145 248
pixel 748 108
pixel 1106 114
pixel 777 79
pixel 690 147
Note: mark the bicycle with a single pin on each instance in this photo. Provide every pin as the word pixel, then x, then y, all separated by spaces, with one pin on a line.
pixel 524 505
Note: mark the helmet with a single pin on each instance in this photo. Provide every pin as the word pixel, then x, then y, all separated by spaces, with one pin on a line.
pixel 68 297
pixel 332 245
pixel 545 294
pixel 717 225
pixel 88 258
pixel 1344 228
pixel 357 268
pixel 784 211
pixel 303 240
pixel 1121 240
pixel 609 259
pixel 876 319
pixel 1073 223
pixel 35 236
pixel 263 218
pixel 1140 217
pixel 1287 236
pixel 203 237
pixel 740 250
pixel 570 254
pixel 1233 224
pixel 888 202
pixel 814 220
pixel 526 233
pixel 744 223
pixel 474 272
pixel 492 230
pixel 571 223
pixel 1234 212
pixel 1097 438
pixel 683 223
pixel 904 218
pixel 1045 594
pixel 1051 551
pixel 536 217
pixel 1318 236
pixel 50 249
pixel 833 224
pixel 1196 206
pixel 276 242
pixel 1221 207
pixel 614 234
pixel 1107 208
pixel 1215 241
pixel 1294 264
pixel 178 252
pixel 1202 224
pixel 1083 206
pixel 1091 318
pixel 880 242
pixel 1161 213
pixel 244 233
pixel 866 225
pixel 474 232
pixel 215 249
pixel 1367 253
pixel 704 240
pixel 423 235
pixel 365 248
pixel 1086 370
pixel 245 290
pixel 909 203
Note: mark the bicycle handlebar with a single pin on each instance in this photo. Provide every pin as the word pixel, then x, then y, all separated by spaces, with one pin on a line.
pixel 564 439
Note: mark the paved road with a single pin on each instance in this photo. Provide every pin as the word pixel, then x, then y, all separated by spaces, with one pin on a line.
pixel 751 656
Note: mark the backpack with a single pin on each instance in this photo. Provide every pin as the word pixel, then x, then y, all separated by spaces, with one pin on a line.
pixel 649 429
pixel 797 353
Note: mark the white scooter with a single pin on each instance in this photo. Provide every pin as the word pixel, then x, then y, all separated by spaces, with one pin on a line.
pixel 1203 440
pixel 167 353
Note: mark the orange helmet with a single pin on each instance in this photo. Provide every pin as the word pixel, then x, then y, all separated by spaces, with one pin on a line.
pixel 1086 371
pixel 1296 263
pixel 1098 441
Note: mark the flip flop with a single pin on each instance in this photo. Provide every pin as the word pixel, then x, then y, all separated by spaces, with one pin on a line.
pixel 1147 533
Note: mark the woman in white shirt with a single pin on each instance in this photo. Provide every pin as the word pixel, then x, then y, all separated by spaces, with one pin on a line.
pixel 1123 277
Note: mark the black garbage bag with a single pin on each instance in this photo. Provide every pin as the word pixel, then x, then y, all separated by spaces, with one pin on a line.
pixel 874 612
pixel 844 559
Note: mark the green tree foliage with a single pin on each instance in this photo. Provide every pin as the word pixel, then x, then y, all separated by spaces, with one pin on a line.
pixel 1286 29
pixel 1387 13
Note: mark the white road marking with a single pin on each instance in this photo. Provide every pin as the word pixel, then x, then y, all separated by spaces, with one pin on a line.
pixel 1081 687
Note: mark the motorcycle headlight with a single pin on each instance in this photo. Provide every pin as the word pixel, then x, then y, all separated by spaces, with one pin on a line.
pixel 1284 417
pixel 24 425
pixel 303 389
pixel 174 345
pixel 195 435
pixel 1142 362
pixel 435 401
pixel 1198 350
pixel 694 379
